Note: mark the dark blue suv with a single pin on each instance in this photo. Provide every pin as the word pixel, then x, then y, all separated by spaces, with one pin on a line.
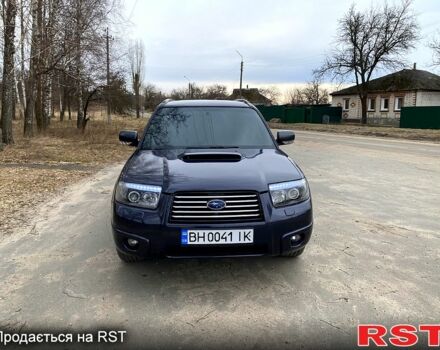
pixel 208 179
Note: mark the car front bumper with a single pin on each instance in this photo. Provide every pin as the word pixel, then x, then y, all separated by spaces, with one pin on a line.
pixel 158 237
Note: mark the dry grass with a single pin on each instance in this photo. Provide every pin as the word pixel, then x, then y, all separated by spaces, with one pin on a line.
pixel 380 131
pixel 35 169
pixel 63 142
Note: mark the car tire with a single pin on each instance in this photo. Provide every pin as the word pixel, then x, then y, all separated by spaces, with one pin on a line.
pixel 293 254
pixel 127 258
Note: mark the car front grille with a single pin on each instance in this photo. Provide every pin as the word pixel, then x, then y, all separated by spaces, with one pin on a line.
pixel 192 207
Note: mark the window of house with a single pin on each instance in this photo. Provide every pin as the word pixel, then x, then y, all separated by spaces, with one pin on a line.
pixel 384 104
pixel 346 104
pixel 371 104
pixel 398 103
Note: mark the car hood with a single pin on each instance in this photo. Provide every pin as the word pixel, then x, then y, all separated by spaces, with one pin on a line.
pixel 174 172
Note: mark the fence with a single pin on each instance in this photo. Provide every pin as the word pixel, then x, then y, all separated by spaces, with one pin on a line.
pixel 302 114
pixel 420 117
pixel 271 112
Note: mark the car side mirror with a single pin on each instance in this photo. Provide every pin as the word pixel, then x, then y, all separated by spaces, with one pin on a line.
pixel 285 137
pixel 129 137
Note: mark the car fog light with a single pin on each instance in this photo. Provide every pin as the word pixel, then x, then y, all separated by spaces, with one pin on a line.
pixel 295 238
pixel 132 242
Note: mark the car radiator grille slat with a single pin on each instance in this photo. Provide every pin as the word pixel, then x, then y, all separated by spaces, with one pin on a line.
pixel 191 207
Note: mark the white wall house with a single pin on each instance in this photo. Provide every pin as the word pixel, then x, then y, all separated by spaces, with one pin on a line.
pixel 388 94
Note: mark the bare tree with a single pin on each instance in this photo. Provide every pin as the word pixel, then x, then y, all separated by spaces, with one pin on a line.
pixel 153 96
pixel 216 92
pixel 295 96
pixel 210 92
pixel 314 94
pixel 136 56
pixel 60 56
pixel 197 92
pixel 271 92
pixel 366 41
pixel 179 93
pixel 435 46
pixel 8 81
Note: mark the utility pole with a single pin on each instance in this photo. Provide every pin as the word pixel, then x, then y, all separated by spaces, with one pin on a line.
pixel 107 39
pixel 189 86
pixel 241 71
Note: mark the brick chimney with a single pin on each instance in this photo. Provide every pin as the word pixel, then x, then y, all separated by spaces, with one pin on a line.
pixel 415 66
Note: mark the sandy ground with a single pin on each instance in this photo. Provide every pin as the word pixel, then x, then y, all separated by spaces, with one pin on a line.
pixel 35 170
pixel 374 257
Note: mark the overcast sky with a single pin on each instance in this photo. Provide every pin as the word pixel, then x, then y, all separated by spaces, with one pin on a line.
pixel 282 41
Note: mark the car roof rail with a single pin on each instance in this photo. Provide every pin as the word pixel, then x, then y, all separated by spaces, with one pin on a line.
pixel 243 100
pixel 164 102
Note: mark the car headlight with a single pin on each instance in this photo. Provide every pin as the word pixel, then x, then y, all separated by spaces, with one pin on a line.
pixel 290 192
pixel 145 196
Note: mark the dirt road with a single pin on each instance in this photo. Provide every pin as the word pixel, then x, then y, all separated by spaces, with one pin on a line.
pixel 374 257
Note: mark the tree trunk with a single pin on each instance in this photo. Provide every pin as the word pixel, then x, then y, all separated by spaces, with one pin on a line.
pixel 21 84
pixel 79 105
pixel 86 118
pixel 39 68
pixel 69 109
pixel 8 72
pixel 62 96
pixel 136 94
pixel 21 97
pixel 14 98
pixel 47 101
pixel 45 76
pixel 31 82
pixel 39 104
pixel 78 63
pixel 138 107
pixel 364 109
pixel 52 9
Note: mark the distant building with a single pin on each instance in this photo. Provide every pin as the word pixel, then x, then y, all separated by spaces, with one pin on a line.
pixel 252 95
pixel 388 94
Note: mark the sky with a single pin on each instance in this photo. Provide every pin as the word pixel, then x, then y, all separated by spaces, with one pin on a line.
pixel 282 41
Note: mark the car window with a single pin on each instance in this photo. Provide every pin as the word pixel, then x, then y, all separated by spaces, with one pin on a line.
pixel 206 127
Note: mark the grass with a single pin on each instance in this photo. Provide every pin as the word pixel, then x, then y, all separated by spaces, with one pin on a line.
pixel 365 130
pixel 33 170
pixel 63 142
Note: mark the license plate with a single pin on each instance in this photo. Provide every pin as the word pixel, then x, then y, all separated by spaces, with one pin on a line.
pixel 243 236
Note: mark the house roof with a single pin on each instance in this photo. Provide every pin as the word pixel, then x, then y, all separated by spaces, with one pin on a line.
pixel 404 80
pixel 252 95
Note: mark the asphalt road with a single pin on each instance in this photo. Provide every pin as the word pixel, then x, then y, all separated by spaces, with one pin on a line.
pixel 374 257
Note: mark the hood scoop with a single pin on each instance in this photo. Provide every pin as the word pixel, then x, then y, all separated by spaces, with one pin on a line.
pixel 211 157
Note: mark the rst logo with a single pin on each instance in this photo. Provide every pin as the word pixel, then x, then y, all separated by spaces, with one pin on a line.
pixel 400 335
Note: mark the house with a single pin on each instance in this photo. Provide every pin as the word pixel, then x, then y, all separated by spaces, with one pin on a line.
pixel 253 95
pixel 388 94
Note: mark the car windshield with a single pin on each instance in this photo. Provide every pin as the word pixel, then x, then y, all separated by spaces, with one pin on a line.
pixel 206 127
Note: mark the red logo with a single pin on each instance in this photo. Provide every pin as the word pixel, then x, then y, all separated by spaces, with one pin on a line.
pixel 400 335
